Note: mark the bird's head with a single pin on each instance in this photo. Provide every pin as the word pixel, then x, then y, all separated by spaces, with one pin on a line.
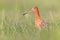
pixel 34 8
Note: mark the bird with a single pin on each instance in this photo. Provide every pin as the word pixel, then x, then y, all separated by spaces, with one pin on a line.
pixel 39 23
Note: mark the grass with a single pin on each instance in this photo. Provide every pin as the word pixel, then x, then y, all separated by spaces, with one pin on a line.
pixel 15 26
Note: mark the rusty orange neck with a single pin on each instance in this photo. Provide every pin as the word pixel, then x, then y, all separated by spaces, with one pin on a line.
pixel 36 12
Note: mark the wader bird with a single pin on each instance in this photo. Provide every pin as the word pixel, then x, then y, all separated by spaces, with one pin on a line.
pixel 39 23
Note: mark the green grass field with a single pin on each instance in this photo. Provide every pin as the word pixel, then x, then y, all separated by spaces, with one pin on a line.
pixel 15 26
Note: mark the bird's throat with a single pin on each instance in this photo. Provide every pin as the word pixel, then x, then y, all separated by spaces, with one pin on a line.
pixel 37 15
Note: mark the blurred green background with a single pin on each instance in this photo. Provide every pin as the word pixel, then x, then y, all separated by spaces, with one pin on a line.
pixel 15 26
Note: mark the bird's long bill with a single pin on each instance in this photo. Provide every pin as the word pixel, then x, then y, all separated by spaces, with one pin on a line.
pixel 26 12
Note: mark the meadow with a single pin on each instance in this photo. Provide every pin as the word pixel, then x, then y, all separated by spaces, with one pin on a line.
pixel 15 26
